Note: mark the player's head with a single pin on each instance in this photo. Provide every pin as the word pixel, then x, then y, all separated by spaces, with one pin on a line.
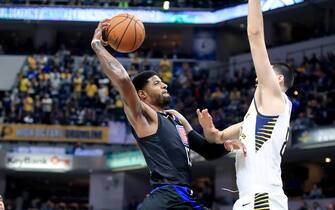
pixel 151 89
pixel 285 75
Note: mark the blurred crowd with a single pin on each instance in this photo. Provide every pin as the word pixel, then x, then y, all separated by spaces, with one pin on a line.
pixel 314 90
pixel 54 90
pixel 38 204
pixel 130 3
pixel 315 205
pixel 68 91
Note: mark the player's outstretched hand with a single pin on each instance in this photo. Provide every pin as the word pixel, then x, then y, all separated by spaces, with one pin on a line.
pixel 205 119
pixel 212 134
pixel 97 37
pixel 231 145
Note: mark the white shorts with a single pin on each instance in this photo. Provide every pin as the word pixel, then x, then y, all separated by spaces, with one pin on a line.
pixel 262 201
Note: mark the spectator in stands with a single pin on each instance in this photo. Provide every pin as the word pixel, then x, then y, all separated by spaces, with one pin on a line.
pixel 6 104
pixel 316 192
pixel 77 85
pixel 47 109
pixel 103 93
pixel 132 71
pixel 217 95
pixel 302 122
pixel 316 206
pixel 303 206
pixel 24 84
pixel 165 66
pixel 146 65
pixel 28 105
pixel 330 206
pixel 31 62
pixel 55 83
pixel 61 79
pixel 91 90
pixel 135 60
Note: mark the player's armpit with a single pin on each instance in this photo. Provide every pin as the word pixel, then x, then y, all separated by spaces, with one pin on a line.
pixel 145 123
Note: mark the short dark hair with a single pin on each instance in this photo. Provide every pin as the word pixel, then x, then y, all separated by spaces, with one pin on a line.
pixel 141 79
pixel 287 71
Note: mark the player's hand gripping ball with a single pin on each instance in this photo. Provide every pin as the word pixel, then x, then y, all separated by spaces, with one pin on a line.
pixel 124 33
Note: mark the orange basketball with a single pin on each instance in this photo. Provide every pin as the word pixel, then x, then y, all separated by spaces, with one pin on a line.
pixel 125 33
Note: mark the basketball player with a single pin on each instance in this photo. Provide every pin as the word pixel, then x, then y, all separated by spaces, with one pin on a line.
pixel 165 137
pixel 264 130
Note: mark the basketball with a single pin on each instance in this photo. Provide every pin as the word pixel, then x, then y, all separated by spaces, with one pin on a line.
pixel 125 33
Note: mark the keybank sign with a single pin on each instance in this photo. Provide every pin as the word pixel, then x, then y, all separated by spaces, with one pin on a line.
pixel 37 162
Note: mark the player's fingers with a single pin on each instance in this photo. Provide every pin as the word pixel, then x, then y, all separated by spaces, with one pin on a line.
pixel 231 147
pixel 97 31
pixel 99 25
pixel 241 146
pixel 105 24
pixel 205 112
pixel 105 21
pixel 104 43
pixel 227 145
pixel 244 149
pixel 199 114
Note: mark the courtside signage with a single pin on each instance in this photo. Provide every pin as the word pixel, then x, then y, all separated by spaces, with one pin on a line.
pixel 36 162
pixel 316 135
pixel 126 160
pixel 58 133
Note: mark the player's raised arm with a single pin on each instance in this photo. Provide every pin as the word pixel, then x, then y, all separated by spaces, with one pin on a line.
pixel 119 77
pixel 268 85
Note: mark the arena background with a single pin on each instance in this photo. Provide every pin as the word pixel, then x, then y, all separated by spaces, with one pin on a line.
pixel 65 143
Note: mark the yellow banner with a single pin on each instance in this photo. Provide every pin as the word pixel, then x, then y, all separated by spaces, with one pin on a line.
pixel 57 133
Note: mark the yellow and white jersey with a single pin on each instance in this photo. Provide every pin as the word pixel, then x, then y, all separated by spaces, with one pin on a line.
pixel 265 138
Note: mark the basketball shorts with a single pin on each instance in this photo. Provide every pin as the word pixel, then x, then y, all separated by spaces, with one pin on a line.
pixel 171 197
pixel 262 201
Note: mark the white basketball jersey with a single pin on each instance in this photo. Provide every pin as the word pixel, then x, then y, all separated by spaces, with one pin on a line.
pixel 265 138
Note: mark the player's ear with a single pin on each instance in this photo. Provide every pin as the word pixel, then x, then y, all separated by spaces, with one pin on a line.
pixel 142 94
pixel 281 78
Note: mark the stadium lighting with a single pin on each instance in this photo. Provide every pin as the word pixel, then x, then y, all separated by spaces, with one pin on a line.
pixel 166 5
pixel 50 13
pixel 328 160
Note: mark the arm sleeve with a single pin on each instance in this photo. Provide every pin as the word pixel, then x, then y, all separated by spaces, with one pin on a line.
pixel 205 149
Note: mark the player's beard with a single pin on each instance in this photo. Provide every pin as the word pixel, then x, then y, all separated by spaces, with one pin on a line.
pixel 164 101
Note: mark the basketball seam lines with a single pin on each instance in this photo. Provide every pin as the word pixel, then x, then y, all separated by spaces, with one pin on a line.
pixel 115 26
pixel 110 22
pixel 140 24
pixel 135 37
pixel 126 15
pixel 124 33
